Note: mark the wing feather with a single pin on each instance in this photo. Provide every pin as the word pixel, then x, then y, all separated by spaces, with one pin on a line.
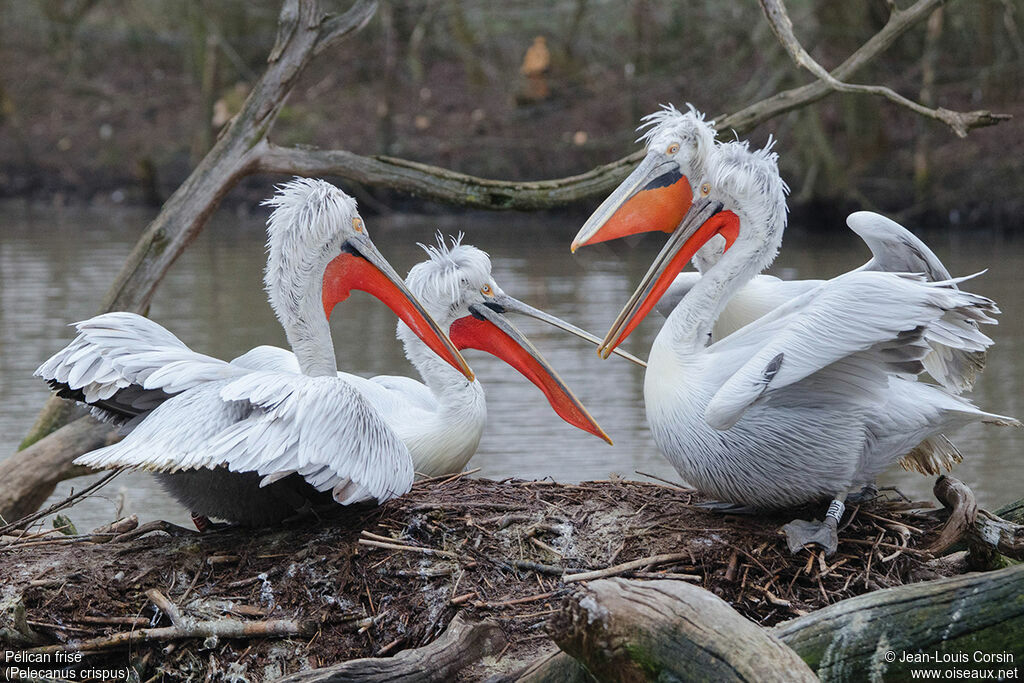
pixel 123 364
pixel 895 249
pixel 271 423
pixel 858 328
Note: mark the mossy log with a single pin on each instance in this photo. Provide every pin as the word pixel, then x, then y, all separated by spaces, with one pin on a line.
pixel 848 641
pixel 624 630
pixel 1013 512
pixel 30 477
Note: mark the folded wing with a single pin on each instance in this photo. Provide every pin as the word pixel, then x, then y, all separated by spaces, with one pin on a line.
pixel 852 333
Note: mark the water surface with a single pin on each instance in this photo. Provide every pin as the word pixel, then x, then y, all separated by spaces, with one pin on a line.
pixel 56 264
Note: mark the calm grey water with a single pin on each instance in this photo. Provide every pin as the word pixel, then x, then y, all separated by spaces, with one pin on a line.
pixel 55 266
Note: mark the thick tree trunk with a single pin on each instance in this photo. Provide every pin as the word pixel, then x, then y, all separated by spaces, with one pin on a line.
pixel 848 641
pixel 625 630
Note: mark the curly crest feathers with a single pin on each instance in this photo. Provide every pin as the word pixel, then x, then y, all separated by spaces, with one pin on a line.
pixel 442 277
pixel 309 216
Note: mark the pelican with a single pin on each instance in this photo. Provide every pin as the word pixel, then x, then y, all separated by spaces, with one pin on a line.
pixel 440 422
pixel 809 401
pixel 236 431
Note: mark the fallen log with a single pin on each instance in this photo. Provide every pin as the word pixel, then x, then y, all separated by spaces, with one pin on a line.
pixel 461 645
pixel 1012 512
pixel 849 640
pixel 625 630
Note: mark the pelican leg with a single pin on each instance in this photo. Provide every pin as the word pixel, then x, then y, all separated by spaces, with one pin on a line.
pixel 204 524
pixel 800 533
pixel 724 508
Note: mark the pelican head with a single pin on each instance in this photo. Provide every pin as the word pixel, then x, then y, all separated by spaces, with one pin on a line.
pixel 658 193
pixel 455 284
pixel 740 203
pixel 319 251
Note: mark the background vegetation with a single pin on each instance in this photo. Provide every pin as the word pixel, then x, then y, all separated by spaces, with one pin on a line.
pixel 115 100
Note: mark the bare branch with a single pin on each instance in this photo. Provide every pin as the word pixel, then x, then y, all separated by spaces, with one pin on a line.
pixel 335 28
pixel 960 122
pixel 440 184
pixel 899 23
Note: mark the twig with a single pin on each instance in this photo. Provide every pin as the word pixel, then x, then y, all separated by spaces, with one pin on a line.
pixel 544 546
pixel 464 598
pixel 377 537
pixel 625 567
pixel 448 477
pixel 880 544
pixel 220 628
pixel 674 576
pixel 390 646
pixel 166 606
pixel 60 505
pixel 427 507
pixel 671 484
pixel 126 621
pixel 892 521
pixel 407 548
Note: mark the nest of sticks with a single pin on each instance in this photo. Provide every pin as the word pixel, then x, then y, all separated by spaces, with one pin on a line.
pixel 373 581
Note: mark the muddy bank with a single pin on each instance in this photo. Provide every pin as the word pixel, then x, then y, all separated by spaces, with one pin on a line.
pixel 374 581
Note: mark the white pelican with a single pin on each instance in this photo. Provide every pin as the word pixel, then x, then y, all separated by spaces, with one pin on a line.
pixel 811 400
pixel 440 422
pixel 244 428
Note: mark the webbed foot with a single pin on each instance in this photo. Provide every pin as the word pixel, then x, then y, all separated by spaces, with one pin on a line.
pixel 800 533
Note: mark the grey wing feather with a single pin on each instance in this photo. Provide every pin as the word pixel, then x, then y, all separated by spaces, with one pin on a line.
pixel 895 249
pixel 855 330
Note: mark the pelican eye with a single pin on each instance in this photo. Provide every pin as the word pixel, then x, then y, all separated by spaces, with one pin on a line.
pixel 705 189
pixel 673 148
pixel 486 290
pixel 357 224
